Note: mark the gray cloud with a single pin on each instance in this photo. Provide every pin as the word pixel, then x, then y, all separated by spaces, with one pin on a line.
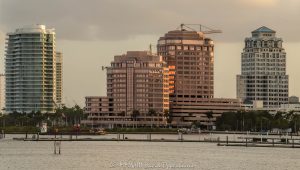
pixel 120 19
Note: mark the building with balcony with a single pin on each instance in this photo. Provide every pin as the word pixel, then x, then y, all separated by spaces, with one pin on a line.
pixel 137 92
pixel 190 58
pixel 59 78
pixel 2 93
pixel 264 75
pixel 30 69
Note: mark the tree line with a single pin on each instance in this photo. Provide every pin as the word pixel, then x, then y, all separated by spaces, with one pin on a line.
pixel 64 116
pixel 258 121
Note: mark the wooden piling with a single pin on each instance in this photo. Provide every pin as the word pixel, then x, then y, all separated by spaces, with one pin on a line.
pixel 226 140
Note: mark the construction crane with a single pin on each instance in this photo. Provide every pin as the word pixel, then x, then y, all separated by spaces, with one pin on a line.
pixel 202 28
pixel 103 67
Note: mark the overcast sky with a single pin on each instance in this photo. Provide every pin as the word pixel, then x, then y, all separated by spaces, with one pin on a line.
pixel 91 32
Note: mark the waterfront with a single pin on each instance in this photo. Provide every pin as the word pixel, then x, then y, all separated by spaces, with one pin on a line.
pixel 122 155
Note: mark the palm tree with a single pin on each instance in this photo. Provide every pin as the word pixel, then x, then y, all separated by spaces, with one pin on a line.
pixel 168 116
pixel 209 115
pixel 135 114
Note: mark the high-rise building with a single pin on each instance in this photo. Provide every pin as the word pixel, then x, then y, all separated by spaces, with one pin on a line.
pixel 137 81
pixel 190 58
pixel 59 78
pixel 263 75
pixel 30 69
pixel 2 93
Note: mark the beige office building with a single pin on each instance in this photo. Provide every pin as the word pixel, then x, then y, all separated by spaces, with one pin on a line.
pixel 190 58
pixel 136 81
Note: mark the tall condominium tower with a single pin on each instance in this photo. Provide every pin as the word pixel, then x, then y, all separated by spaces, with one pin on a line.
pixel 30 69
pixel 59 78
pixel 190 58
pixel 263 75
pixel 2 92
pixel 139 81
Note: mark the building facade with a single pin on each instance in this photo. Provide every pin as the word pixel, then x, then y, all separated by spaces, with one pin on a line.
pixel 30 69
pixel 2 93
pixel 137 87
pixel 190 58
pixel 294 100
pixel 138 80
pixel 263 76
pixel 59 78
pixel 100 114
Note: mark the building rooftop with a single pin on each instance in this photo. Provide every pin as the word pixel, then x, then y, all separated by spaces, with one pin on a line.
pixel 35 28
pixel 263 29
pixel 183 35
pixel 138 56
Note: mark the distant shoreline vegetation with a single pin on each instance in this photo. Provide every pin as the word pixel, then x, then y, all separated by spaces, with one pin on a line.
pixel 65 119
pixel 256 121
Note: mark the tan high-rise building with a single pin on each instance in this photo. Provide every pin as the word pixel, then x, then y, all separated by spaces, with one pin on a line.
pixel 190 58
pixel 138 80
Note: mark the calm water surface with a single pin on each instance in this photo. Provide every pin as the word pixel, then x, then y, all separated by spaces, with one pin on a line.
pixel 142 155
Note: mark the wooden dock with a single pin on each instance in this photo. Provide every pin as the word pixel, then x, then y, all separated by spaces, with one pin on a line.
pixel 254 141
pixel 263 142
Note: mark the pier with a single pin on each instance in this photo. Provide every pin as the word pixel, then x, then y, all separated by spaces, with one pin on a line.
pixel 235 140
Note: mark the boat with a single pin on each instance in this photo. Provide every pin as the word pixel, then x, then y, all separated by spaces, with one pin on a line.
pixel 99 131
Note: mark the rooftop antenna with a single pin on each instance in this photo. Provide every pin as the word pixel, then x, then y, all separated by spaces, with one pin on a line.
pixel 104 67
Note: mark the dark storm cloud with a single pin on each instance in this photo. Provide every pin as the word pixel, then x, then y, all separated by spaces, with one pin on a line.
pixel 123 19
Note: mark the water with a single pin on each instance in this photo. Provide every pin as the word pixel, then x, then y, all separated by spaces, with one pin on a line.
pixel 142 155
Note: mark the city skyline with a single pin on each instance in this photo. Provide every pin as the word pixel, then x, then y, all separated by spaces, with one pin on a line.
pixel 85 53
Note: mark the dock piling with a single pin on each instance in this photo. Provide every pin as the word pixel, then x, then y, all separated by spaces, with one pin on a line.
pixel 226 140
pixel 118 136
pixel 57 146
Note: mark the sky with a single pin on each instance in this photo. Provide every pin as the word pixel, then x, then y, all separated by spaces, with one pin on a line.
pixel 89 33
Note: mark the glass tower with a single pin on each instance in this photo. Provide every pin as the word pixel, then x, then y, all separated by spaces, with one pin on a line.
pixel 30 70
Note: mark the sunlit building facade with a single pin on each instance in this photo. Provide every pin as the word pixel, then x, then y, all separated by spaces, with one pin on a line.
pixel 190 58
pixel 137 81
